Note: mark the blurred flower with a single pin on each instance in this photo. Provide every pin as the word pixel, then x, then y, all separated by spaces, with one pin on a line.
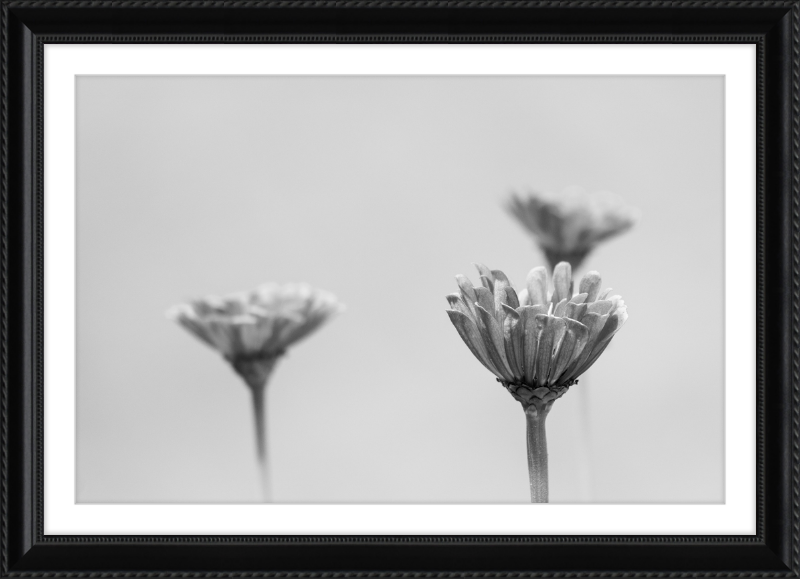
pixel 569 225
pixel 252 330
pixel 537 343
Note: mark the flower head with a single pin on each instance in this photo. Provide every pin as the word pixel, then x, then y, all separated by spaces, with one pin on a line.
pixel 253 329
pixel 536 342
pixel 568 226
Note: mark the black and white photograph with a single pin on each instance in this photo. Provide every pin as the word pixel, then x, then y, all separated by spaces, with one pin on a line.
pixel 408 289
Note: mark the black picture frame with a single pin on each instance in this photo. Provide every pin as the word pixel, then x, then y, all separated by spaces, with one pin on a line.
pixel 774 26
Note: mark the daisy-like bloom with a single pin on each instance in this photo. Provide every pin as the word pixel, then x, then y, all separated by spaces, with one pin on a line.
pixel 252 330
pixel 536 342
pixel 569 225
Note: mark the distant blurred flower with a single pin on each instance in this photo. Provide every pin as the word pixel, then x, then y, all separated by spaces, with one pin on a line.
pixel 252 330
pixel 569 225
pixel 537 343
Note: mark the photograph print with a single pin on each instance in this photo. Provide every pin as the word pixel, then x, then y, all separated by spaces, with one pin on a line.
pixel 400 289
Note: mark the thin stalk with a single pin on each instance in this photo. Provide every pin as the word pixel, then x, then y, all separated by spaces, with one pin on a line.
pixel 584 426
pixel 537 452
pixel 584 435
pixel 255 371
pixel 259 412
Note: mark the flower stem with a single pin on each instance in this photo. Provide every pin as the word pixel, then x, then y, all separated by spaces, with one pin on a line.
pixel 535 416
pixel 255 371
pixel 584 430
pixel 259 410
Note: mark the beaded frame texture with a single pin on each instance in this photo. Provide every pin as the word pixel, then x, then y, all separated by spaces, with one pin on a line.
pixel 27 25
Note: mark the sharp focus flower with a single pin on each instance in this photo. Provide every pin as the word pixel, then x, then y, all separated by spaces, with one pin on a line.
pixel 252 330
pixel 569 225
pixel 537 342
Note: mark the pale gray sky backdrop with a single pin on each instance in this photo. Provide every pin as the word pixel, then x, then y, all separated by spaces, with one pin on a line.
pixel 380 190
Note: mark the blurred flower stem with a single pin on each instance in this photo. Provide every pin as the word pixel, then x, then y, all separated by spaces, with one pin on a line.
pixel 258 391
pixel 584 446
pixel 259 412
pixel 256 372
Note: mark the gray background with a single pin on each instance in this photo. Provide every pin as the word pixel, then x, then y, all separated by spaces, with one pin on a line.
pixel 381 189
